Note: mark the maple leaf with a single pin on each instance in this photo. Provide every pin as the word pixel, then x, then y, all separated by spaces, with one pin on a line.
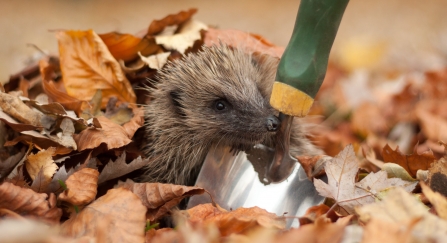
pixel 411 163
pixel 342 171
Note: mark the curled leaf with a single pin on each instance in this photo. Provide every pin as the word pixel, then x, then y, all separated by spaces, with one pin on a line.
pixel 25 201
pixel 42 160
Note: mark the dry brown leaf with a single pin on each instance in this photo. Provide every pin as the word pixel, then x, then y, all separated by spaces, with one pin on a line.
pixel 16 126
pixel 9 164
pixel 342 171
pixel 119 167
pixel 437 200
pixel 157 26
pixel 313 166
pixel 81 187
pixel 88 66
pixel 386 232
pixel 156 61
pixel 411 163
pixel 322 231
pixel 122 211
pixel 188 34
pixel 41 141
pixel 42 160
pixel 163 235
pixel 401 207
pixel 110 133
pixel 433 125
pixel 314 212
pixel 238 221
pixel 14 107
pixel 47 67
pixel 25 201
pixel 160 198
pixel 126 47
pixel 241 39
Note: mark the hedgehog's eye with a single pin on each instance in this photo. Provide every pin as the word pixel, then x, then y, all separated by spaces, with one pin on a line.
pixel 220 105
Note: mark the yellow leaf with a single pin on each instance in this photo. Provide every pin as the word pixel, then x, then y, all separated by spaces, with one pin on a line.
pixel 88 66
pixel 42 160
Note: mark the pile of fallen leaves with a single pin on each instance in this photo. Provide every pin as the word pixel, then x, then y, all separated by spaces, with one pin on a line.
pixel 68 141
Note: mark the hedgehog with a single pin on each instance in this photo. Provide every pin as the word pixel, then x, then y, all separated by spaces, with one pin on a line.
pixel 218 96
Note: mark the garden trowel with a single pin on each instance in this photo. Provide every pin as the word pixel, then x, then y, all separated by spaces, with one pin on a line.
pixel 269 177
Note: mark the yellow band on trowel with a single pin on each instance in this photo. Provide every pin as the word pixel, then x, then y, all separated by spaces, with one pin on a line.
pixel 290 100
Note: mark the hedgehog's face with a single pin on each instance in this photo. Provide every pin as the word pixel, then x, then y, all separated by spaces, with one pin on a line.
pixel 238 117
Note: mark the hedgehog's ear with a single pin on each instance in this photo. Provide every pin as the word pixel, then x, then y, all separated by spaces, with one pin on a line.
pixel 177 102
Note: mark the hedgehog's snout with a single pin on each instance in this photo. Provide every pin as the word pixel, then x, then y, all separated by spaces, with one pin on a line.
pixel 272 123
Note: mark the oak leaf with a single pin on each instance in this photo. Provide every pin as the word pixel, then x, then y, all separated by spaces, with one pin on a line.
pixel 348 193
pixel 401 207
pixel 119 212
pixel 119 167
pixel 42 160
pixel 81 187
pixel 88 66
pixel 25 201
pixel 411 163
pixel 160 198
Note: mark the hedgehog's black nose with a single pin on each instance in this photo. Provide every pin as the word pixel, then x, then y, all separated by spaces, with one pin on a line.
pixel 272 123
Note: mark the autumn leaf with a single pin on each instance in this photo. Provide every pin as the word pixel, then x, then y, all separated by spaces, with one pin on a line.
pixel 110 133
pixel 126 47
pixel 119 212
pixel 412 163
pixel 156 61
pixel 348 193
pixel 322 231
pixel 188 34
pixel 8 165
pixel 157 26
pixel 42 160
pixel 238 221
pixel 401 207
pixel 119 167
pixel 25 201
pixel 160 198
pixel 88 66
pixel 14 107
pixel 16 126
pixel 81 187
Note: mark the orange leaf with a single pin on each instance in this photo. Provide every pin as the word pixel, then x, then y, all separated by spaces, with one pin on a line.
pixel 411 163
pixel 88 66
pixel 158 26
pixel 110 133
pixel 238 221
pixel 27 202
pixel 47 68
pixel 160 198
pixel 81 187
pixel 119 212
pixel 126 47
pixel 322 231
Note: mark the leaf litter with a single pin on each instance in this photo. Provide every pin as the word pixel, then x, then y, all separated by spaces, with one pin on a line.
pixel 70 122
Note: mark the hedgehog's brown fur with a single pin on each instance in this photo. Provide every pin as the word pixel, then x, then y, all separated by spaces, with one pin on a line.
pixel 182 123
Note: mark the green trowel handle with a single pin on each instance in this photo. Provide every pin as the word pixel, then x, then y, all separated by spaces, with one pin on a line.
pixel 303 65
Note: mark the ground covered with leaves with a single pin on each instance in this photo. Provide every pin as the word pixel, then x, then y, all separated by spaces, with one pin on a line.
pixel 68 128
